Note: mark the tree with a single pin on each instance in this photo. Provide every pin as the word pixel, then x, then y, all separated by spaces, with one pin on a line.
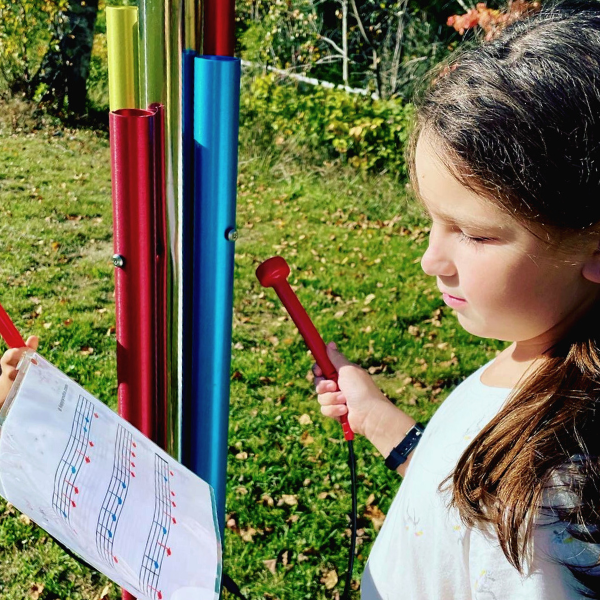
pixel 65 67
pixel 385 45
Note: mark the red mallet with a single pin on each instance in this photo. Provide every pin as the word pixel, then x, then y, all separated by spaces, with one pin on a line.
pixel 9 332
pixel 274 273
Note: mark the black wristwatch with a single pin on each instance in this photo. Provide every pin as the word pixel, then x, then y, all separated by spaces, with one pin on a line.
pixel 400 453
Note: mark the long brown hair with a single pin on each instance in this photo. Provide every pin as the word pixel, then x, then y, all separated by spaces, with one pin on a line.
pixel 518 120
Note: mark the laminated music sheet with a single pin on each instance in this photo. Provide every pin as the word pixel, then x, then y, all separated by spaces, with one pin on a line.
pixel 105 491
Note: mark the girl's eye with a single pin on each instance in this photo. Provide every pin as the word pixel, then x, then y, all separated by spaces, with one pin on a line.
pixel 473 239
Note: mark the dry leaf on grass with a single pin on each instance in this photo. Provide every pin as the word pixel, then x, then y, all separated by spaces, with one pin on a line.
pixel 271 565
pixel 330 579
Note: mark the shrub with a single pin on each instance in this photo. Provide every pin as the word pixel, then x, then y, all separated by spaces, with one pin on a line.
pixel 329 123
pixel 26 28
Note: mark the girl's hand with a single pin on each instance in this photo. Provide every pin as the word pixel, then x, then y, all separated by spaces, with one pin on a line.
pixel 358 396
pixel 9 361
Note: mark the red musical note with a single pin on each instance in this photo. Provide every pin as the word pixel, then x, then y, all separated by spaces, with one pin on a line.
pixel 173 503
pixel 87 458
pixel 165 547
pixel 96 415
pixel 172 474
pixel 132 473
pixel 115 559
pixel 73 486
pixel 134 444
pixel 92 444
pixel 133 464
pixel 133 454
pixel 172 493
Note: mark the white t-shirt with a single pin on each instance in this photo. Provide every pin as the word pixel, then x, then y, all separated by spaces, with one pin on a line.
pixel 425 552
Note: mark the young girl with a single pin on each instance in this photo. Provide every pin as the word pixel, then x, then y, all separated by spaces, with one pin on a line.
pixel 501 497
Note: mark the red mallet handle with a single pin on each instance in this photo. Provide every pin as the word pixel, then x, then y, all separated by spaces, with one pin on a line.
pixel 9 332
pixel 274 273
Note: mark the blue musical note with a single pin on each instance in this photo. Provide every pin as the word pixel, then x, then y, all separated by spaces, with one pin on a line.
pixel 73 470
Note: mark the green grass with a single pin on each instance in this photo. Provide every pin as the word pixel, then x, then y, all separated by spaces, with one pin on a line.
pixel 354 246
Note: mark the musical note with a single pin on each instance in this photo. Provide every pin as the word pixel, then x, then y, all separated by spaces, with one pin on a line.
pixel 165 547
pixel 75 489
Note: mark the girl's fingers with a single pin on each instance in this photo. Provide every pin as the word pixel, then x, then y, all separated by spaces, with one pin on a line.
pixel 12 357
pixel 331 399
pixel 32 342
pixel 323 386
pixel 316 369
pixel 335 411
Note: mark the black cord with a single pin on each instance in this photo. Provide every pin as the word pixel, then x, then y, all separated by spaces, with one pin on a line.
pixel 231 586
pixel 353 519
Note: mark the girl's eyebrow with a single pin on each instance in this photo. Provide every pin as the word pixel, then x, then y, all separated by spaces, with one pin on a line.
pixel 462 221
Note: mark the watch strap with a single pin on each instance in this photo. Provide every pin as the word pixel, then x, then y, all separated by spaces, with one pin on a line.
pixel 400 453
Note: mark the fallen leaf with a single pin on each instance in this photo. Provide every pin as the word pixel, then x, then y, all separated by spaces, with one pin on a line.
pixel 305 420
pixel 266 499
pixel 271 564
pixel 247 534
pixel 330 579
pixel 288 499
pixel 105 591
pixel 375 515
pixel 306 439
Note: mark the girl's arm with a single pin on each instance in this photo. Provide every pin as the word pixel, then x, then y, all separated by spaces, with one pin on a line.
pixel 369 412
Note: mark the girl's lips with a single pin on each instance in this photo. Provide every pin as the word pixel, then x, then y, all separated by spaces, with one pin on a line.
pixel 452 301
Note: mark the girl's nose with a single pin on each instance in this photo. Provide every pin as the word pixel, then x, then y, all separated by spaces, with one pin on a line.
pixel 436 261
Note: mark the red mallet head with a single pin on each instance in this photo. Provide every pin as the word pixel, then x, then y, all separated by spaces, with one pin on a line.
pixel 272 271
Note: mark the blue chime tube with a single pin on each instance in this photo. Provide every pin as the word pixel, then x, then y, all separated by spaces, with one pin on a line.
pixel 206 410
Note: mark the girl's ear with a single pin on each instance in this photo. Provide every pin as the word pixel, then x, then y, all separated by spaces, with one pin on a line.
pixel 591 268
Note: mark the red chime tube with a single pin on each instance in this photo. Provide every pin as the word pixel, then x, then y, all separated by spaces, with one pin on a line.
pixel 219 27
pixel 133 139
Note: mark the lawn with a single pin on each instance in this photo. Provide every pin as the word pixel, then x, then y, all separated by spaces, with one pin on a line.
pixel 353 243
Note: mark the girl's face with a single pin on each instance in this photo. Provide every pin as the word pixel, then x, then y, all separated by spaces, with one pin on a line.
pixel 503 282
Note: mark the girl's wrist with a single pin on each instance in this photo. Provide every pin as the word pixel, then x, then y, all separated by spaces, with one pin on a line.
pixel 386 425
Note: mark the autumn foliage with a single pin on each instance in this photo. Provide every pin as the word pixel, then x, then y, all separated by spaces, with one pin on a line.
pixel 490 20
